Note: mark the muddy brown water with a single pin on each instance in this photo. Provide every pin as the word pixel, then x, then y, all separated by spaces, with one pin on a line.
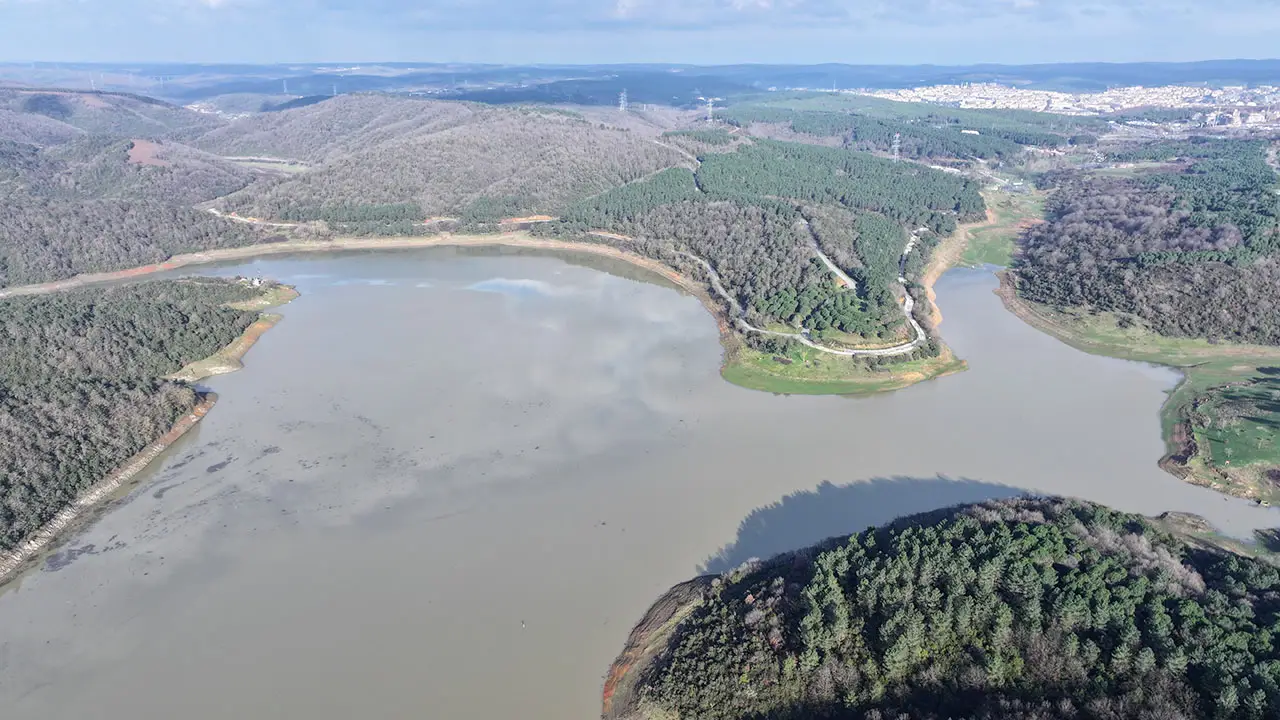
pixel 448 483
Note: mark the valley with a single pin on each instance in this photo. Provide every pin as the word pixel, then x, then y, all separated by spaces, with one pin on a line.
pixel 460 349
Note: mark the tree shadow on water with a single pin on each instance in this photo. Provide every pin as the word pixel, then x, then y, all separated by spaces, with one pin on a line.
pixel 807 517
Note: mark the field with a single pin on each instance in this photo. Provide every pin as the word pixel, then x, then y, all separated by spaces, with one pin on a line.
pixel 1241 423
pixel 270 165
pixel 994 243
pixel 810 372
pixel 1222 422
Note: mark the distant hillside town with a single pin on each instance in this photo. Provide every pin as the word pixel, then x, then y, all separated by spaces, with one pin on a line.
pixel 1236 105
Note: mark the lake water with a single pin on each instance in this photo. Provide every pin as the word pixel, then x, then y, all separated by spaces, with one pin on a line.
pixel 448 483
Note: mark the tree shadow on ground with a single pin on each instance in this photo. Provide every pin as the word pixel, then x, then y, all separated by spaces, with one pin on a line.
pixel 809 516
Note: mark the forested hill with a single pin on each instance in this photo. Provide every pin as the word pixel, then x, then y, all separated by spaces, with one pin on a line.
pixel 1018 610
pixel 392 159
pixel 1191 248
pixel 81 388
pixel 924 131
pixel 757 214
pixel 335 127
pixel 44 116
pixel 97 203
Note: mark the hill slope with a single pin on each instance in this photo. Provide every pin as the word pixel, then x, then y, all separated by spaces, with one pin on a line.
pixel 1017 609
pixel 114 114
pixel 98 203
pixel 428 158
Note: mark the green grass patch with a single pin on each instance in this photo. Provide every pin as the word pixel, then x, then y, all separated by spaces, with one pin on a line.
pixel 1238 424
pixel 812 372
pixel 994 244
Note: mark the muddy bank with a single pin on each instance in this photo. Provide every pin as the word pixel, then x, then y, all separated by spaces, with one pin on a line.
pixel 945 256
pixel 12 562
pixel 645 642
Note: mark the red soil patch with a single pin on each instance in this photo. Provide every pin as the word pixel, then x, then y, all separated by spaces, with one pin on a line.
pixel 145 152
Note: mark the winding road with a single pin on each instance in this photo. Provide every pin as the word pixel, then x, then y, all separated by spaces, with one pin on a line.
pixel 802 337
pixel 737 312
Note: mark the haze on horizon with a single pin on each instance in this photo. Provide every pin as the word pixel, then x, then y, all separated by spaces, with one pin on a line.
pixel 599 31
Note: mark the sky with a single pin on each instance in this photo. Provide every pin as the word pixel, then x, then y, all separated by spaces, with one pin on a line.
pixel 597 31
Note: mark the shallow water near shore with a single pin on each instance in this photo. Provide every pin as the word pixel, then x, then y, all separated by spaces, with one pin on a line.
pixel 448 483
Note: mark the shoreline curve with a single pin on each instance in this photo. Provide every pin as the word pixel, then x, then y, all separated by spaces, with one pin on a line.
pixel 15 561
pixel 225 360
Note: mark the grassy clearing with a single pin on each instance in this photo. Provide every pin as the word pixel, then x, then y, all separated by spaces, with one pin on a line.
pixel 1221 424
pixel 811 372
pixel 1134 169
pixel 1235 423
pixel 284 167
pixel 994 243
pixel 831 337
pixel 1242 422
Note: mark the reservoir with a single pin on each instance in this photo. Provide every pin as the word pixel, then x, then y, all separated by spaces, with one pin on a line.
pixel 448 483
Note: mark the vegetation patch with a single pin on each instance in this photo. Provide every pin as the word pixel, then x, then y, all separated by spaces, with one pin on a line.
pixel 995 242
pixel 805 371
pixel 1193 253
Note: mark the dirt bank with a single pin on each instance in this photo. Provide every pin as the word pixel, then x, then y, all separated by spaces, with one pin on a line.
pixel 945 256
pixel 224 361
pixel 647 640
pixel 12 562
pixel 228 359
pixel 509 239
pixel 1008 293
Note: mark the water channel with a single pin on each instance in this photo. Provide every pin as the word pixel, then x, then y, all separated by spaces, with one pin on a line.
pixel 448 483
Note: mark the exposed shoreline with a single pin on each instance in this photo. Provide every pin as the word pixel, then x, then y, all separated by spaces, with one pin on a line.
pixel 509 239
pixel 1182 457
pixel 225 360
pixel 228 359
pixel 518 239
pixel 12 562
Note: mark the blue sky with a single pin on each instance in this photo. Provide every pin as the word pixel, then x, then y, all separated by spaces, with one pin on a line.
pixel 587 31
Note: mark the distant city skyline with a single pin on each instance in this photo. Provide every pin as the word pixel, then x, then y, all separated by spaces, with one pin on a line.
pixel 595 31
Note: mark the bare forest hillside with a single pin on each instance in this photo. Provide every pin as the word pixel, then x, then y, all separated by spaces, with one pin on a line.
pixel 407 160
pixel 105 113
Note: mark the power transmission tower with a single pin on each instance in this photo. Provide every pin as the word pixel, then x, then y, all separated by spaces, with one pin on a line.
pixel 711 107
pixel 622 100
pixel 286 86
pixel 897 146
pixel 335 89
